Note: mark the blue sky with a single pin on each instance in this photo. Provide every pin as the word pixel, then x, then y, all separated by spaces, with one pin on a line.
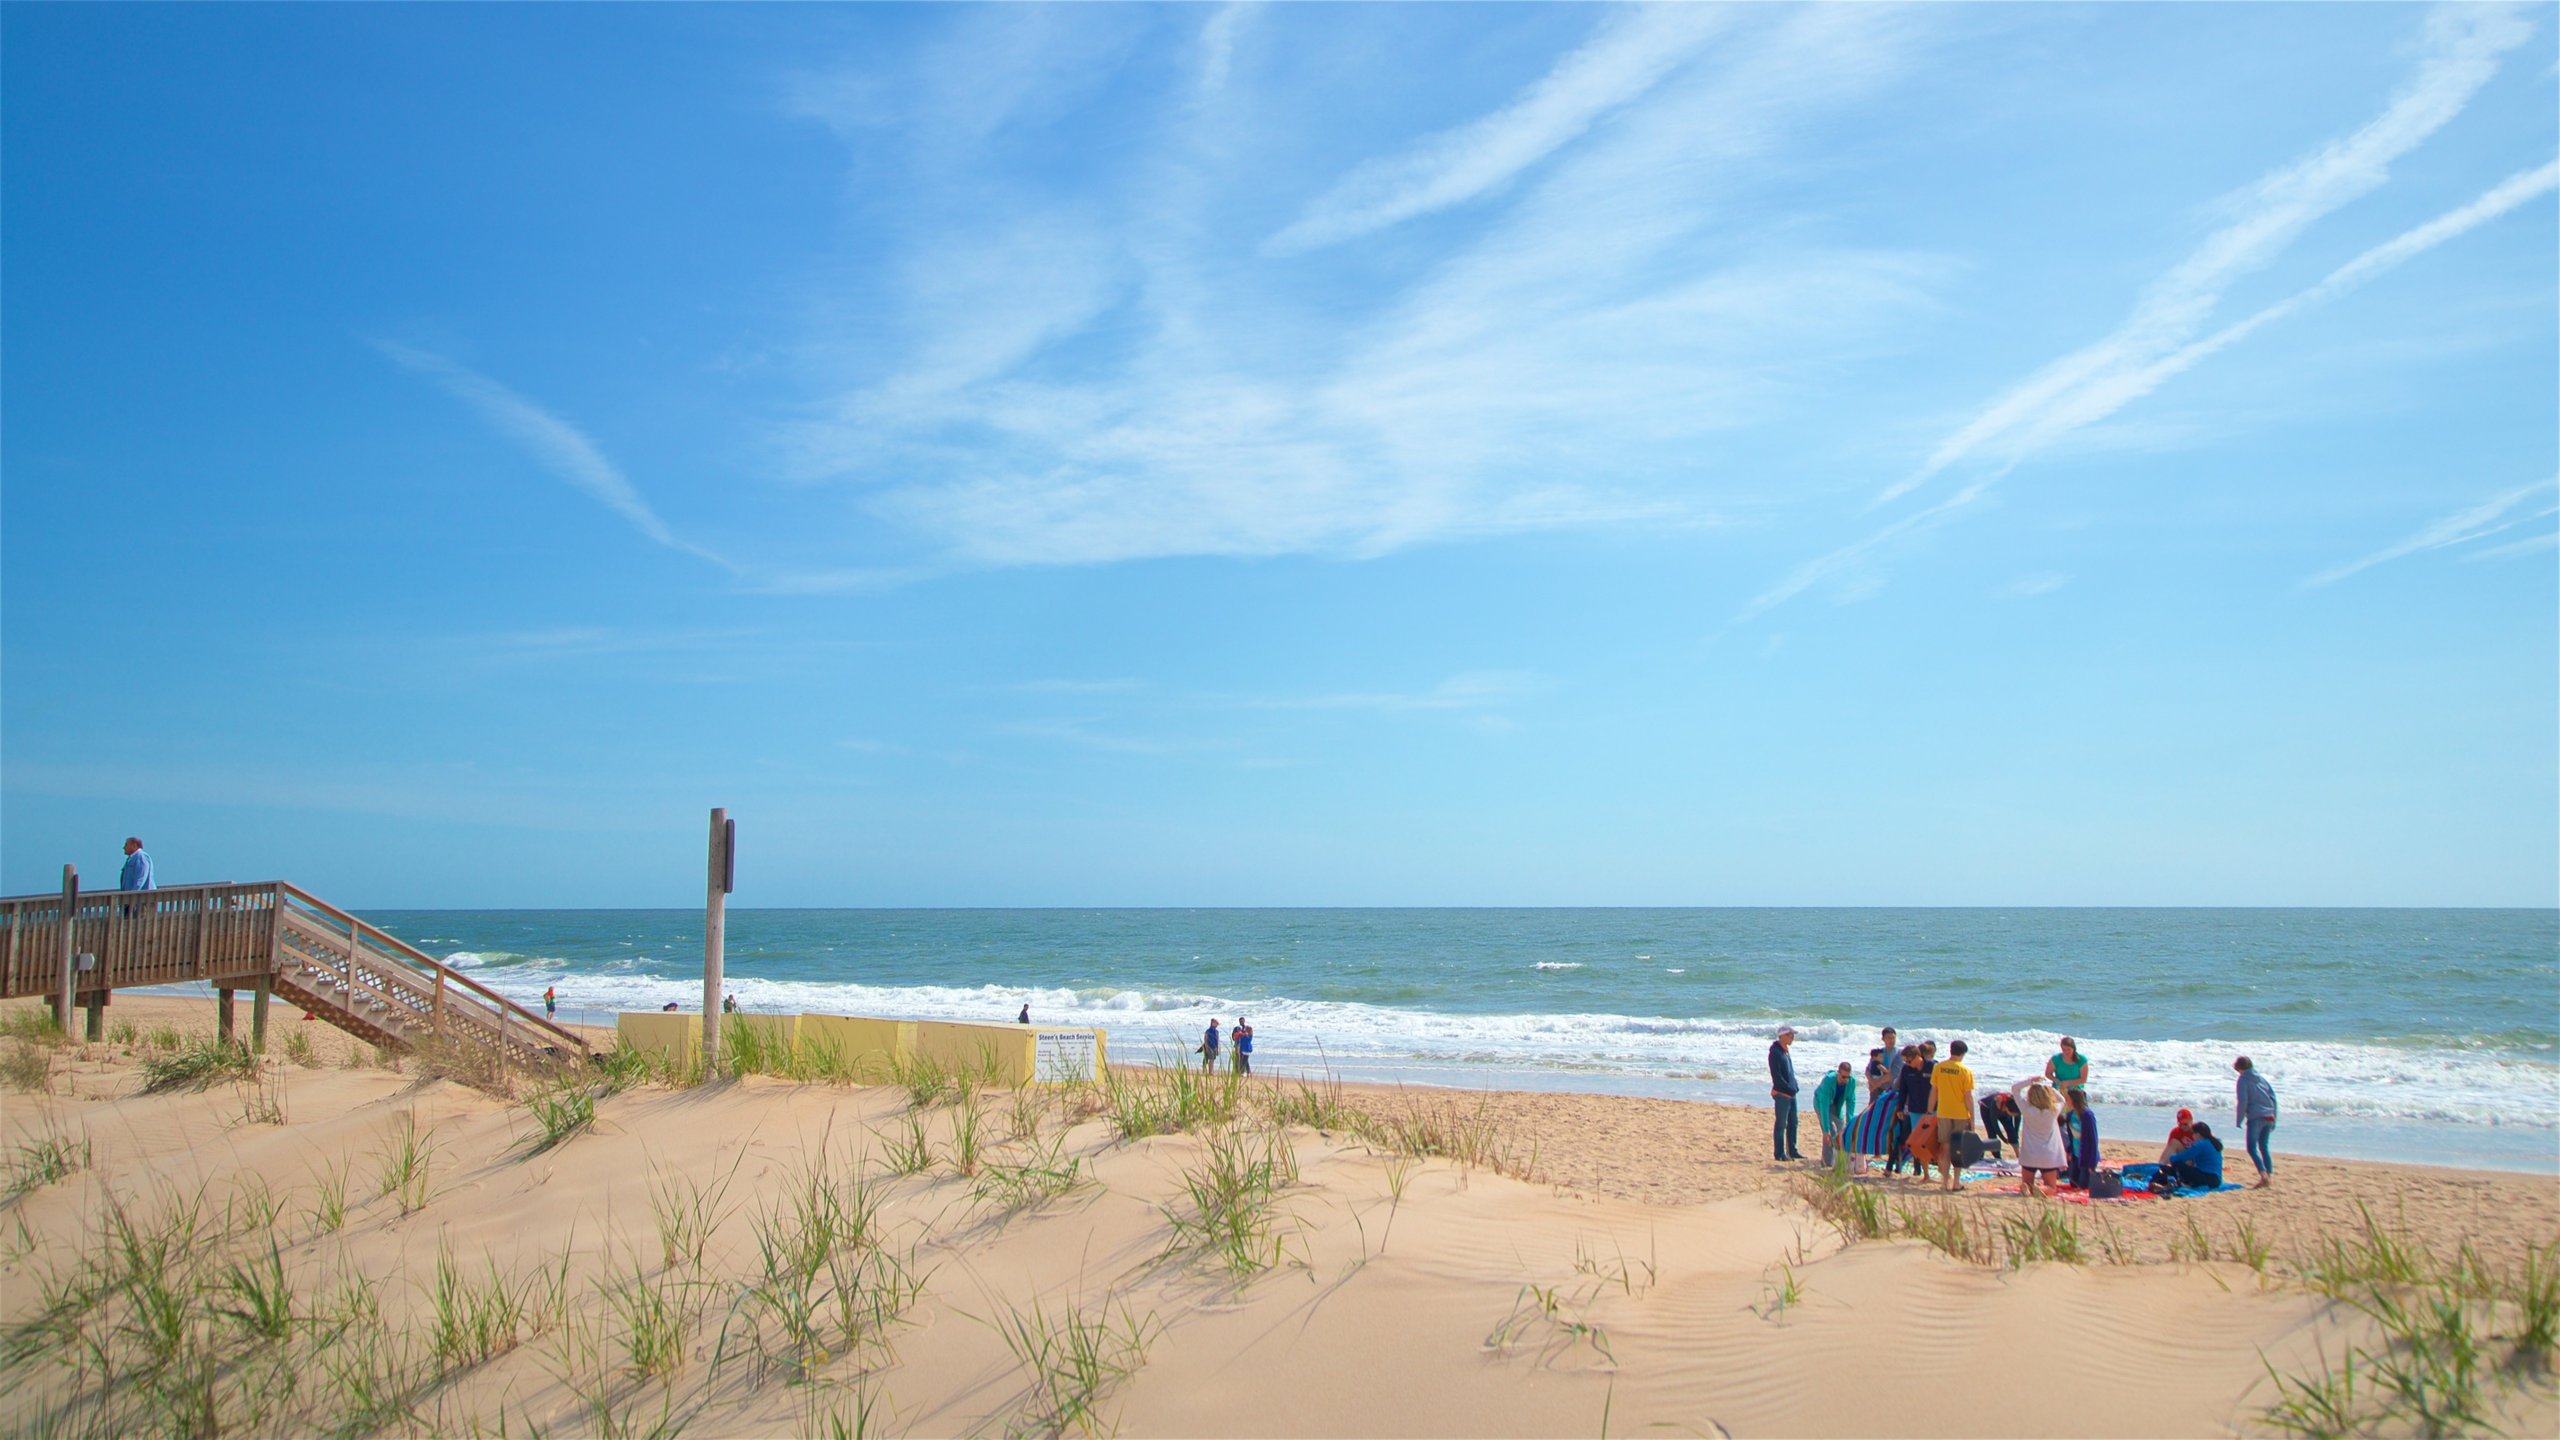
pixel 1285 455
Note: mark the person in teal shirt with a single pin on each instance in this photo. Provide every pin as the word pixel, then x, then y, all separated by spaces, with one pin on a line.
pixel 2069 1070
pixel 1834 1100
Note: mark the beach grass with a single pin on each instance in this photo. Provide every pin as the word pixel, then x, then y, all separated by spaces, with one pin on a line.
pixel 200 1062
pixel 1229 1206
pixel 1073 1358
pixel 40 1159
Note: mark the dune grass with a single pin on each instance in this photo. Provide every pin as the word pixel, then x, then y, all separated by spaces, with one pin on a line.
pixel 42 1158
pixel 1229 1207
pixel 1073 1358
pixel 201 1062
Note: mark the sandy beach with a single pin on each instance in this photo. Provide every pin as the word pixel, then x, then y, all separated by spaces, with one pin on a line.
pixel 338 1245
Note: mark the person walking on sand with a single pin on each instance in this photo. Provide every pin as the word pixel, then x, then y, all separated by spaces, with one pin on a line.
pixel 1834 1100
pixel 1209 1046
pixel 1241 1040
pixel 2040 1151
pixel 1951 1084
pixel 1782 1089
pixel 137 867
pixel 550 1002
pixel 2257 1114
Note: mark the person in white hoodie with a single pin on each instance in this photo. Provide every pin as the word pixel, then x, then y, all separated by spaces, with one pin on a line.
pixel 2040 1152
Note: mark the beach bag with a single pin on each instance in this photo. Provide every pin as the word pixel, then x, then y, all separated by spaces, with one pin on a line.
pixel 2107 1185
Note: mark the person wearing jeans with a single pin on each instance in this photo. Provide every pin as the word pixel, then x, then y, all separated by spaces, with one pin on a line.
pixel 1782 1089
pixel 2257 1116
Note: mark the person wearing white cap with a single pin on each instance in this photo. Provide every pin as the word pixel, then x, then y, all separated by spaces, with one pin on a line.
pixel 1782 1089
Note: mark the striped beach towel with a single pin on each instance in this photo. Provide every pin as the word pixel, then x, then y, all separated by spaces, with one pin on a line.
pixel 1872 1132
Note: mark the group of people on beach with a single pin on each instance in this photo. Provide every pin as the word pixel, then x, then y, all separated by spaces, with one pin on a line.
pixel 1922 1110
pixel 1239 1044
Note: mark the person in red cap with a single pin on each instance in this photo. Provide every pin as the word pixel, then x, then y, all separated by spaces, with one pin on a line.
pixel 2181 1135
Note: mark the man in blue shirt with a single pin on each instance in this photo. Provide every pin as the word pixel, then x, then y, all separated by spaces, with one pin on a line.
pixel 137 866
pixel 1209 1046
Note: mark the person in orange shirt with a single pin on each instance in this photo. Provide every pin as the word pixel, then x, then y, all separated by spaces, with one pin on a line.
pixel 1951 1087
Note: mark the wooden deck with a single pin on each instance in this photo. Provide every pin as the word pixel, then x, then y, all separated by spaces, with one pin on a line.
pixel 279 939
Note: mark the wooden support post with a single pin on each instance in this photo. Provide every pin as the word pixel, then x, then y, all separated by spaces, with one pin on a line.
pixel 96 1028
pixel 258 1017
pixel 715 927
pixel 222 1013
pixel 70 927
pixel 435 1027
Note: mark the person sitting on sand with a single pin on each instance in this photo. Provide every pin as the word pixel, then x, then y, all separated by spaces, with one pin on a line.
pixel 1952 1085
pixel 2040 1152
pixel 2181 1135
pixel 1833 1102
pixel 2069 1070
pixel 2084 1141
pixel 2257 1114
pixel 2197 1167
pixel 2000 1120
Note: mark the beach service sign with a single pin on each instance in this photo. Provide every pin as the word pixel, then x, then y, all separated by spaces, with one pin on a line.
pixel 1061 1057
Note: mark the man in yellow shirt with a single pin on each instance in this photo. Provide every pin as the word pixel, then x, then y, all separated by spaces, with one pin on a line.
pixel 1951 1087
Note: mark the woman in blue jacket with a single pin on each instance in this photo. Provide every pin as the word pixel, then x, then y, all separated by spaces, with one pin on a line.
pixel 2084 1141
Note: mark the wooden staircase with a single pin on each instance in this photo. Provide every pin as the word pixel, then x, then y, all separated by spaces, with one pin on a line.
pixel 288 942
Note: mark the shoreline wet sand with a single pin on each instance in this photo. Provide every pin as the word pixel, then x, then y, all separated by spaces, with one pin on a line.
pixel 761 1256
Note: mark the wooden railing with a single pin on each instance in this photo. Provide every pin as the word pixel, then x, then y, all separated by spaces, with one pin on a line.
pixel 390 979
pixel 235 936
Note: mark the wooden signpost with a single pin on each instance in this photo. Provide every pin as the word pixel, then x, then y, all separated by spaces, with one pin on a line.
pixel 715 924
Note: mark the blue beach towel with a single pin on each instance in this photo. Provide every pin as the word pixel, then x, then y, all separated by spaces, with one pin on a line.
pixel 2138 1177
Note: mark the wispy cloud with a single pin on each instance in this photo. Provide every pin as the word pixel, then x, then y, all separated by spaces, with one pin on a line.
pixel 2475 522
pixel 556 444
pixel 2464 45
pixel 1218 41
pixel 2029 587
pixel 2095 397
pixel 1469 690
pixel 1631 53
pixel 1129 378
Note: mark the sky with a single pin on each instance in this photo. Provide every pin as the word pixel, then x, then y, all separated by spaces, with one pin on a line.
pixel 1284 455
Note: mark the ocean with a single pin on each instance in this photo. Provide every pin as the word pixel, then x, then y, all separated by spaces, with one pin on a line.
pixel 2419 1035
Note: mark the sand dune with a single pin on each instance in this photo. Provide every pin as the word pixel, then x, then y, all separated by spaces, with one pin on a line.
pixel 1649 1275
